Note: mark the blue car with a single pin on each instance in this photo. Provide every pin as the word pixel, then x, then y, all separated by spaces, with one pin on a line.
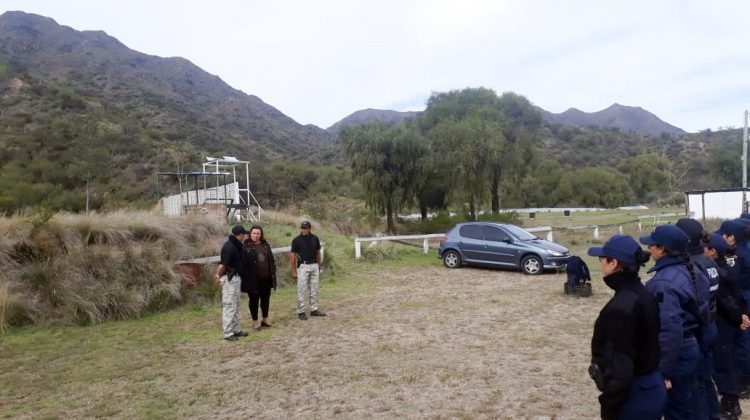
pixel 500 245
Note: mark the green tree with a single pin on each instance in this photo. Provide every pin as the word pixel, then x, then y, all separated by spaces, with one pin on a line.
pixel 519 154
pixel 594 187
pixel 387 162
pixel 725 167
pixel 469 146
pixel 646 175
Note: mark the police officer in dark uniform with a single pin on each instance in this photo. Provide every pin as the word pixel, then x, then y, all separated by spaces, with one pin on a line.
pixel 229 275
pixel 730 319
pixel 676 287
pixel 705 401
pixel 625 345
pixel 734 233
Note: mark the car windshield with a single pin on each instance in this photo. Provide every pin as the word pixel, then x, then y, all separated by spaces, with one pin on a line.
pixel 520 233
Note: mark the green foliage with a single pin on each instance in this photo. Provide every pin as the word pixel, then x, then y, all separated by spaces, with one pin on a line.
pixel 387 162
pixel 647 175
pixel 594 187
pixel 725 167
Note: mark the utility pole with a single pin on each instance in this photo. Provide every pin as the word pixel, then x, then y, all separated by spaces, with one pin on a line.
pixel 744 165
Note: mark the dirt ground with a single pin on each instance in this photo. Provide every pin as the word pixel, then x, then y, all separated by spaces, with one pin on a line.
pixel 437 343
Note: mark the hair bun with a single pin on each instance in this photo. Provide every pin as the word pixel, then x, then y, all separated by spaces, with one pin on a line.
pixel 642 256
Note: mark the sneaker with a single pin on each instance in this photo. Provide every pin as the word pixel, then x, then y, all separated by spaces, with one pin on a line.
pixel 231 338
pixel 240 334
pixel 318 313
pixel 302 316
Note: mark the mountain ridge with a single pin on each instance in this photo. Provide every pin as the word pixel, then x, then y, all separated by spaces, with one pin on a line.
pixel 627 119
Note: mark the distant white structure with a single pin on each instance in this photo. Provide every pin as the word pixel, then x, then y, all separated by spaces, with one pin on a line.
pixel 715 204
pixel 232 198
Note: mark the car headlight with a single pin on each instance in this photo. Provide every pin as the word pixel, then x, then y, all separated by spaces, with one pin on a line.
pixel 555 253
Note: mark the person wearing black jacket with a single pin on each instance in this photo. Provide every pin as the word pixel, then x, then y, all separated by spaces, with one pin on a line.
pixel 731 320
pixel 259 275
pixel 229 275
pixel 625 345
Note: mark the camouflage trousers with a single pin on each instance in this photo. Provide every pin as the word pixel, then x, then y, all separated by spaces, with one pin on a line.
pixel 308 282
pixel 230 305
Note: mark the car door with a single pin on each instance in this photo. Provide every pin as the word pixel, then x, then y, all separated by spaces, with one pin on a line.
pixel 471 242
pixel 499 246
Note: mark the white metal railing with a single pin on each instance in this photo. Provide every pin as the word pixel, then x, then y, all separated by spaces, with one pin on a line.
pixel 425 239
pixel 425 244
pixel 547 229
pixel 275 251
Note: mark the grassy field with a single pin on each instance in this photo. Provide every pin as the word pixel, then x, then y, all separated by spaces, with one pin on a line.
pixel 405 337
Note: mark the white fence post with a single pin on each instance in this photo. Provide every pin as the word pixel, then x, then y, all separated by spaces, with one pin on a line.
pixel 426 246
pixel 549 236
pixel 620 229
pixel 596 232
pixel 640 229
pixel 357 249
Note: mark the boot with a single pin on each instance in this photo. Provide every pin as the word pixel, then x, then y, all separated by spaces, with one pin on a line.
pixel 730 408
pixel 745 389
pixel 736 409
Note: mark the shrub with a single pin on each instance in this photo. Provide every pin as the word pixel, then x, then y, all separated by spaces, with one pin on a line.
pixel 66 268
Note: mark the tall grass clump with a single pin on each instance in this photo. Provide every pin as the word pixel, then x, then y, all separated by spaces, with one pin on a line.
pixel 76 269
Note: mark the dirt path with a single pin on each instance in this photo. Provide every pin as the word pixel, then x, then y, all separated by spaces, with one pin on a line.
pixel 432 343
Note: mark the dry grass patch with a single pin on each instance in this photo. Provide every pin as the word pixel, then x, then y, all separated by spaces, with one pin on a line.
pixel 410 340
pixel 66 268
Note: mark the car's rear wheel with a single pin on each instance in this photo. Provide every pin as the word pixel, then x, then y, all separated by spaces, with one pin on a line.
pixel 531 265
pixel 451 259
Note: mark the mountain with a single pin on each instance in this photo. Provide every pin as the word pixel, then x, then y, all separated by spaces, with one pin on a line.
pixel 173 92
pixel 626 119
pixel 370 115
pixel 81 112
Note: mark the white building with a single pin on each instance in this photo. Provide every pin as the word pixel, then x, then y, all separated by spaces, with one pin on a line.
pixel 715 204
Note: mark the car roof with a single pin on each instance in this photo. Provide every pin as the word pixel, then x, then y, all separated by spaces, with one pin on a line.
pixel 485 223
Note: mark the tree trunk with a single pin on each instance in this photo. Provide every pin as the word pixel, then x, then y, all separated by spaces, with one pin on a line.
pixel 472 209
pixel 423 212
pixel 495 191
pixel 389 218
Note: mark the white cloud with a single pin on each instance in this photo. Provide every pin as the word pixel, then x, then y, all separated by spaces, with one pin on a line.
pixel 319 61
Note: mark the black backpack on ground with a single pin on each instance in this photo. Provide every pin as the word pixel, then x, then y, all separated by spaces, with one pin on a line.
pixel 579 277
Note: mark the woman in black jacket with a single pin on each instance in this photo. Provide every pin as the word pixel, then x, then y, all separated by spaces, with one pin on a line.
pixel 259 275
pixel 625 345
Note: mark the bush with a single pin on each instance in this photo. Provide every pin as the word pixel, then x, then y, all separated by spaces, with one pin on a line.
pixel 66 268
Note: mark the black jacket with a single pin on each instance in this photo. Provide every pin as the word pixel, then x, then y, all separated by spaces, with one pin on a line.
pixel 231 256
pixel 729 302
pixel 250 284
pixel 625 342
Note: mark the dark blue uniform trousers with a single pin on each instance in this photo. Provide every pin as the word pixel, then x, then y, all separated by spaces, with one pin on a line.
pixel 679 399
pixel 742 348
pixel 646 400
pixel 725 374
pixel 705 402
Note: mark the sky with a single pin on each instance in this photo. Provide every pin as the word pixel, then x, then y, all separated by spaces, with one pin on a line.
pixel 319 61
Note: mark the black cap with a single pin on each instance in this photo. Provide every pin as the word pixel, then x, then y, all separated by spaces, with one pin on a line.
pixel 305 225
pixel 694 231
pixel 238 230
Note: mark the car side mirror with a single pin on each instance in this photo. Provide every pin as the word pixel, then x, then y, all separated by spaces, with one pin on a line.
pixel 508 240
